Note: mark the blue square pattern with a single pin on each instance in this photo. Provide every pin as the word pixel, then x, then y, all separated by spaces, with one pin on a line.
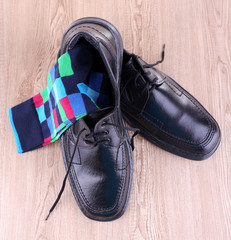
pixel 50 109
pixel 93 95
pixel 77 103
pixel 57 75
pixel 47 109
pixel 45 129
pixel 52 73
pixel 51 100
pixel 59 90
pixel 50 125
pixel 41 113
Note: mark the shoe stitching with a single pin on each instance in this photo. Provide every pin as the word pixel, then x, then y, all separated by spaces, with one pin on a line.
pixel 123 157
pixel 204 114
pixel 173 137
pixel 170 86
pixel 149 115
pixel 141 115
pixel 106 46
pixel 112 208
pixel 185 152
pixel 200 110
pixel 96 31
pixel 78 195
pixel 69 150
pixel 83 26
pixel 176 148
pixel 85 198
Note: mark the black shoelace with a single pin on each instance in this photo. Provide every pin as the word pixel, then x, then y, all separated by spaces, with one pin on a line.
pixel 158 62
pixel 149 83
pixel 90 139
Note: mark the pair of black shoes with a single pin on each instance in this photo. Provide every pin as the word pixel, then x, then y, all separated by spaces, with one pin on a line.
pixel 97 150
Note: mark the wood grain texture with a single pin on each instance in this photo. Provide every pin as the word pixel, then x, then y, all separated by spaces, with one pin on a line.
pixel 171 198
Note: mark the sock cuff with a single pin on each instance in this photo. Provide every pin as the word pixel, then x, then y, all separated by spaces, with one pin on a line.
pixel 26 126
pixel 18 143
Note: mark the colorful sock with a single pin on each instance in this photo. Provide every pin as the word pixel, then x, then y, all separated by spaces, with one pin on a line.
pixel 72 92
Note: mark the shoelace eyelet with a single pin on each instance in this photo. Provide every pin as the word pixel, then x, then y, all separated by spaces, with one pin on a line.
pixel 86 141
pixel 148 73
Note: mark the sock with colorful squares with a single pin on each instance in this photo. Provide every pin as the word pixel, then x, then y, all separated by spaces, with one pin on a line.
pixel 72 91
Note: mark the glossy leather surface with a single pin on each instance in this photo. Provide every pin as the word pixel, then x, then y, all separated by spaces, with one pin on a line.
pixel 101 171
pixel 167 114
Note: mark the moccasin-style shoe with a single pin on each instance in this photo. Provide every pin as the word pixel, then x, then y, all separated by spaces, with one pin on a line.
pixel 166 114
pixel 97 150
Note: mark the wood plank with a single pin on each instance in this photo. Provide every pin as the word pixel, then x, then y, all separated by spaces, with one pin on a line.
pixel 172 198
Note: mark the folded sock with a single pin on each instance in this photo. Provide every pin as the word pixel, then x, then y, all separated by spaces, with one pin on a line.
pixel 72 92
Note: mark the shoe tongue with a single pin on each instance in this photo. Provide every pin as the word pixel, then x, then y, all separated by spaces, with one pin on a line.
pixel 135 65
pixel 92 118
pixel 130 64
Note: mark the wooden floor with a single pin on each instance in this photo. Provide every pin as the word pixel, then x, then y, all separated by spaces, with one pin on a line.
pixel 172 197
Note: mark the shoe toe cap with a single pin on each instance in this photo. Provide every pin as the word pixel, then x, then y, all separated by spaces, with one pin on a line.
pixel 102 197
pixel 209 145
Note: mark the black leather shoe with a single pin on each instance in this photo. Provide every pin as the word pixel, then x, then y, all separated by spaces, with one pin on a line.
pixel 166 114
pixel 97 150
